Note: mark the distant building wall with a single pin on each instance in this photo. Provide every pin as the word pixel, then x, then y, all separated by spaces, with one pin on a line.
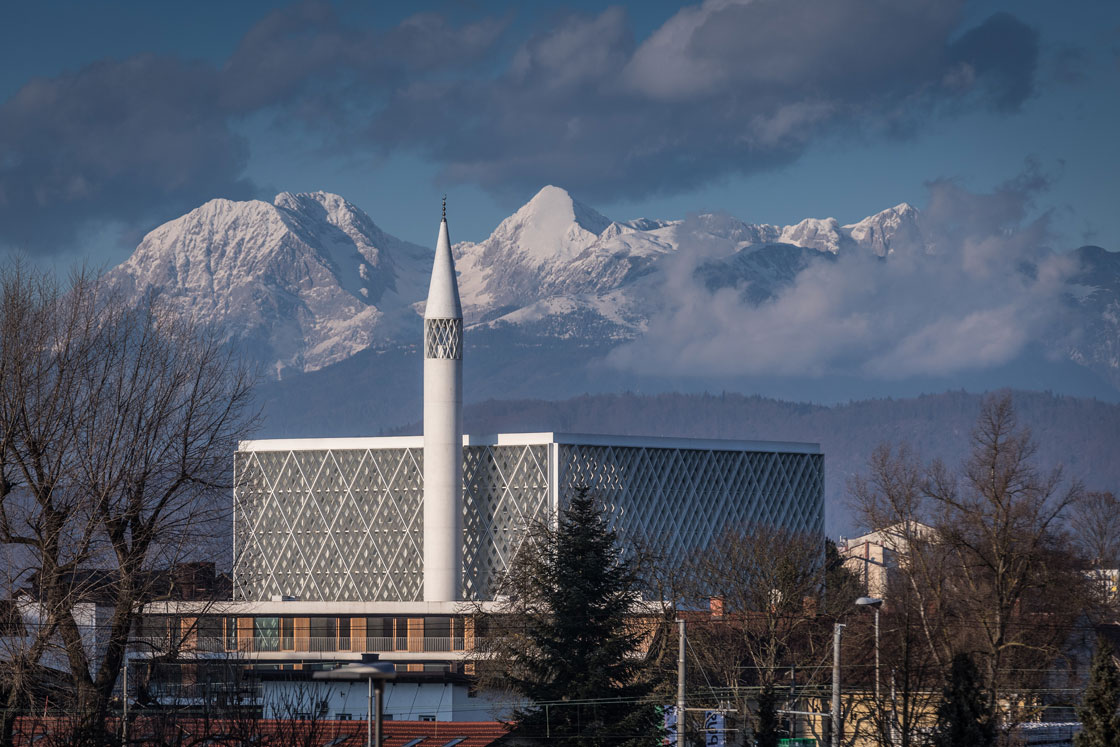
pixel 402 701
pixel 875 556
pixel 348 524
pixel 342 519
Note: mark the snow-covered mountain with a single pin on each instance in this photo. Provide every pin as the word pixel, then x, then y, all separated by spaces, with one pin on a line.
pixel 1095 298
pixel 299 283
pixel 556 247
pixel 309 280
pixel 556 258
pixel 882 232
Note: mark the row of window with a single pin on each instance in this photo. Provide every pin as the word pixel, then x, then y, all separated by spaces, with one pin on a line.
pixel 374 633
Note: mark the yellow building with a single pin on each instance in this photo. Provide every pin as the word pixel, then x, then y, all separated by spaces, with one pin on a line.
pixel 871 556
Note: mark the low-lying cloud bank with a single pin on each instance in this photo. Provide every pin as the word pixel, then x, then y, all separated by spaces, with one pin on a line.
pixel 971 291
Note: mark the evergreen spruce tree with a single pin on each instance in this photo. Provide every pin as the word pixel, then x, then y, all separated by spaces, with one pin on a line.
pixel 766 733
pixel 963 717
pixel 1100 725
pixel 567 645
pixel 841 585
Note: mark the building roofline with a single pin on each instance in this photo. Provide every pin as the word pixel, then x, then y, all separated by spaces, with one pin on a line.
pixel 304 608
pixel 530 439
pixel 308 608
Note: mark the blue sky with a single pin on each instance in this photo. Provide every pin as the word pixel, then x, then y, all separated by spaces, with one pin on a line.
pixel 115 117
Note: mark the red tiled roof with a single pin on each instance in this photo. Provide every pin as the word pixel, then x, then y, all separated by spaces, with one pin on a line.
pixel 438 733
pixel 268 731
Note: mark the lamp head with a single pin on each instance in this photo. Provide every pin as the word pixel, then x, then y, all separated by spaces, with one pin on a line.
pixel 377 671
pixel 872 602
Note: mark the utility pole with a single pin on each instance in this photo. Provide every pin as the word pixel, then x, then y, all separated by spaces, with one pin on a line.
pixel 894 711
pixel 680 684
pixel 877 678
pixel 875 604
pixel 124 704
pixel 836 721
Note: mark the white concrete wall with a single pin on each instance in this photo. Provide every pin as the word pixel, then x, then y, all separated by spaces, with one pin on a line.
pixel 405 701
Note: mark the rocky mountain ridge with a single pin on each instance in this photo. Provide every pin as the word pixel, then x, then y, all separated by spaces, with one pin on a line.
pixel 309 280
pixel 300 283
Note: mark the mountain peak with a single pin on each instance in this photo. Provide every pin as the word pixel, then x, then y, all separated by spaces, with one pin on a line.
pixel 302 200
pixel 552 225
pixel 889 230
pixel 306 280
pixel 822 234
pixel 302 282
pixel 325 206
pixel 556 201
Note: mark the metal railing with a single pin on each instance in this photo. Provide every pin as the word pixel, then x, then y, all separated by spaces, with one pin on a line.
pixel 312 644
pixel 243 692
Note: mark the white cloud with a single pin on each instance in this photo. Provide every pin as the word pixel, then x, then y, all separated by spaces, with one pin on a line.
pixel 985 290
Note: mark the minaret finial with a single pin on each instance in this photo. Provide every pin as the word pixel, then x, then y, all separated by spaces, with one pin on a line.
pixel 445 207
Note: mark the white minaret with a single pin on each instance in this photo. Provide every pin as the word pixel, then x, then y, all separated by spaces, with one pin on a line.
pixel 443 428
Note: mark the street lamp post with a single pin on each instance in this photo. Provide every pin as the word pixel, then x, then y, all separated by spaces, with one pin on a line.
pixel 124 683
pixel 124 702
pixel 836 719
pixel 376 673
pixel 875 603
pixel 680 684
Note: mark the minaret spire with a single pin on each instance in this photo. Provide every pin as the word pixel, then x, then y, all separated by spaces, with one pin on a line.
pixel 443 427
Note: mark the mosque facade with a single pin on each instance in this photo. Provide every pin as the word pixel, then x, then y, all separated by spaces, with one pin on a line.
pixel 439 517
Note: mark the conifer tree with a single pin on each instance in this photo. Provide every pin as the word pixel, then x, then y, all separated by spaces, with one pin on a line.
pixel 963 717
pixel 766 732
pixel 1100 724
pixel 564 643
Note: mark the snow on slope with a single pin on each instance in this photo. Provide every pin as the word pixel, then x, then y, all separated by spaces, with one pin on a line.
pixel 814 233
pixel 1095 297
pixel 553 246
pixel 551 227
pixel 883 232
pixel 308 280
pixel 300 283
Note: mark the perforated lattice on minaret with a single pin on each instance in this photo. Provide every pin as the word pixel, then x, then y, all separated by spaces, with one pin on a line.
pixel 443 338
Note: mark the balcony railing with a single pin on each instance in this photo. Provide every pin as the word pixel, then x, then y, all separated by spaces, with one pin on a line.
pixel 313 644
pixel 246 691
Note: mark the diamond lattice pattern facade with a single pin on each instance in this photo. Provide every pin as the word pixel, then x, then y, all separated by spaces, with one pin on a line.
pixel 342 519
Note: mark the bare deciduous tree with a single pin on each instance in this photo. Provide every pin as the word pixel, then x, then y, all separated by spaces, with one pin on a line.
pixel 892 499
pixel 768 584
pixel 117 425
pixel 1096 526
pixel 1001 522
pixel 983 560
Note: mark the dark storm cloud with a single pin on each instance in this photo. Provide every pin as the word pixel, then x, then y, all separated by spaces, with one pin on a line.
pixel 114 139
pixel 143 139
pixel 1002 54
pixel 306 48
pixel 723 87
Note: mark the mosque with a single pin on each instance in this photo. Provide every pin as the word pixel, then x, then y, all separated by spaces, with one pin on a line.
pixel 438 517
pixel 347 548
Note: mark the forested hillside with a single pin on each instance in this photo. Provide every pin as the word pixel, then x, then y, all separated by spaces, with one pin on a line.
pixel 1081 434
